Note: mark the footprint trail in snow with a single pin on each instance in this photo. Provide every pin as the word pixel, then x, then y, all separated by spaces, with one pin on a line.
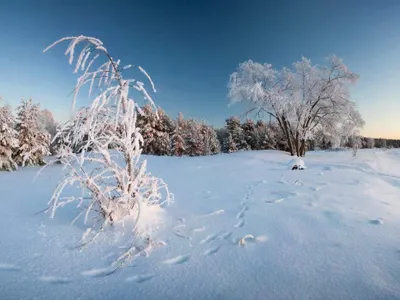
pixel 180 259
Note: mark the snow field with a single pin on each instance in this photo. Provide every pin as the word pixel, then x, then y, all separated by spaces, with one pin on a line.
pixel 243 226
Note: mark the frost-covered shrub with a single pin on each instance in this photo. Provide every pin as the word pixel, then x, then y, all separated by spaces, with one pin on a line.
pixel 116 186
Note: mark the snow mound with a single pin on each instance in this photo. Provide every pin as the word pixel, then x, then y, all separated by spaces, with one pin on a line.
pixel 297 164
pixel 152 218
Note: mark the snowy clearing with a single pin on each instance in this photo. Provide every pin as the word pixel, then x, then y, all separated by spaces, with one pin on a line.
pixel 243 226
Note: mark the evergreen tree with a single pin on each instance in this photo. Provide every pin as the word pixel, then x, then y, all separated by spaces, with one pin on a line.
pixel 8 139
pixel 276 137
pixel 156 129
pixel 163 131
pixel 222 136
pixel 213 142
pixel 147 124
pixel 249 134
pixel 210 140
pixel 33 144
pixel 230 144
pixel 237 133
pixel 263 136
pixel 380 143
pixel 193 138
pixel 178 141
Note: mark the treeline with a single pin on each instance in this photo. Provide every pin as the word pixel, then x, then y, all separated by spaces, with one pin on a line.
pixel 164 136
pixel 188 137
pixel 26 138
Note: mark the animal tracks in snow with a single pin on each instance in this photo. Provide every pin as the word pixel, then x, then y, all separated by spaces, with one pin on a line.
pixel 180 259
pixel 9 267
pixel 216 212
pixel 181 231
pixel 140 278
pixel 240 214
pixel 199 229
pixel 279 197
pixel 96 272
pixel 376 222
pixel 226 235
pixel 212 250
pixel 240 224
pixel 209 238
pixel 274 201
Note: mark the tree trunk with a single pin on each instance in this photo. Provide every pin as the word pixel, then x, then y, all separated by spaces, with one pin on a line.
pixel 297 141
pixel 303 148
pixel 285 129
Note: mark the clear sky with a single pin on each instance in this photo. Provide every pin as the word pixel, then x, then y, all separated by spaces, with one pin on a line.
pixel 191 47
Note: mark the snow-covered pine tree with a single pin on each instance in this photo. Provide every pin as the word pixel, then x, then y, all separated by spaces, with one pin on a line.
pixel 33 144
pixel 222 135
pixel 237 133
pixel 215 145
pixel 276 137
pixel 193 138
pixel 164 128
pixel 229 144
pixel 249 134
pixel 8 139
pixel 163 144
pixel 380 143
pixel 262 139
pixel 156 128
pixel 178 141
pixel 147 124
pixel 211 143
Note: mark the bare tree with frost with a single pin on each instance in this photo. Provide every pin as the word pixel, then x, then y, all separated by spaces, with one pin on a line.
pixel 343 131
pixel 302 99
pixel 369 143
pixel 8 139
pixel 116 185
pixel 46 122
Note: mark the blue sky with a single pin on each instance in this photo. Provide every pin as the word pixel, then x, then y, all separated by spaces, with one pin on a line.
pixel 191 47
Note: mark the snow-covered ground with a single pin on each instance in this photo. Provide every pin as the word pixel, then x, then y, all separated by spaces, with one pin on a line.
pixel 331 231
